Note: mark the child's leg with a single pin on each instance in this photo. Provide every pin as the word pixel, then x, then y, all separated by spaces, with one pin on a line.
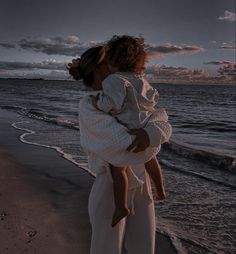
pixel 120 187
pixel 154 170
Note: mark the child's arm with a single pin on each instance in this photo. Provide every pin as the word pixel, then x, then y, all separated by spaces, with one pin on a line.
pixel 112 97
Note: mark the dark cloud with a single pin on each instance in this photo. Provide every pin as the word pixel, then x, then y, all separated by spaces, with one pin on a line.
pixel 7 45
pixel 219 62
pixel 170 49
pixel 228 45
pixel 70 46
pixel 45 65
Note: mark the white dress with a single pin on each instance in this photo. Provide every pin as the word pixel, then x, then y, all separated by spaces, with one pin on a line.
pixel 132 101
pixel 105 141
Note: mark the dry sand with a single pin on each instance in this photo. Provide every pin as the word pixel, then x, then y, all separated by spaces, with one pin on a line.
pixel 43 199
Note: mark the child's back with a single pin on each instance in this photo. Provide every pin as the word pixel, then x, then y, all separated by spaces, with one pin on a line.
pixel 130 99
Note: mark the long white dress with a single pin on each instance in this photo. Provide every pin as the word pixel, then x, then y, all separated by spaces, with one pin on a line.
pixel 105 141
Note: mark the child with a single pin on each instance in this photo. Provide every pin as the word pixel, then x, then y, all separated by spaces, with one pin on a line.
pixel 131 100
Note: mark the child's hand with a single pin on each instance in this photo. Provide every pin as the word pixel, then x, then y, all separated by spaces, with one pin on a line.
pixel 141 142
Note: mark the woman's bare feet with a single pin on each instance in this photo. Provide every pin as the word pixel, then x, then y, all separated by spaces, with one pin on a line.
pixel 119 214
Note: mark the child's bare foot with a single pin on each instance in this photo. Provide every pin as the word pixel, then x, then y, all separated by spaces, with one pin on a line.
pixel 119 214
pixel 160 195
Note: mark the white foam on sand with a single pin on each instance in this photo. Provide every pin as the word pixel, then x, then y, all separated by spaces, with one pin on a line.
pixel 58 149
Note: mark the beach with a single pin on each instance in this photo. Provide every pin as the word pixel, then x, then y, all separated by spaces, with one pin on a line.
pixel 40 131
pixel 44 199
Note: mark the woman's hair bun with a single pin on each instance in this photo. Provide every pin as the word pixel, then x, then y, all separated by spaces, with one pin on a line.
pixel 75 69
pixel 85 66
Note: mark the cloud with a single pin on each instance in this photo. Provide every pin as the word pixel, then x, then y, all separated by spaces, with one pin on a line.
pixel 219 62
pixel 228 45
pixel 72 39
pixel 177 72
pixel 49 75
pixel 173 74
pixel 7 45
pixel 70 46
pixel 154 73
pixel 228 71
pixel 170 49
pixel 183 75
pixel 48 69
pixel 228 16
pixel 45 65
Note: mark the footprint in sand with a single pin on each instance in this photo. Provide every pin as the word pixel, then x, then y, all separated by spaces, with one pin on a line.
pixel 3 215
pixel 31 233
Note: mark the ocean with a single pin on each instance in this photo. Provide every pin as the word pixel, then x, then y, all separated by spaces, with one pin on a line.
pixel 199 162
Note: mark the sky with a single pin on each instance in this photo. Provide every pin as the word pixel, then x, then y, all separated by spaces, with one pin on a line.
pixel 187 40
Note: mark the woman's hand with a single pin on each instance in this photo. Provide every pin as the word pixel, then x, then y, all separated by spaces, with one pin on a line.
pixel 141 142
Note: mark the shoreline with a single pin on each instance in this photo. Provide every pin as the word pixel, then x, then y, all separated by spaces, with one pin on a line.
pixel 38 177
pixel 179 82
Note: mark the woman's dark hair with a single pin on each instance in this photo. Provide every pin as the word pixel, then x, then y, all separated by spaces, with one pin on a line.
pixel 88 62
pixel 127 53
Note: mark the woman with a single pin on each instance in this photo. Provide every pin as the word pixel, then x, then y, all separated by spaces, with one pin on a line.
pixel 104 139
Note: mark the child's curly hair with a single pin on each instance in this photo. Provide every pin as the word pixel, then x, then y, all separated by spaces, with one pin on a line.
pixel 127 53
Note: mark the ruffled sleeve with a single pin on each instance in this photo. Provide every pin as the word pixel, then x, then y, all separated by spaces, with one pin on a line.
pixel 112 97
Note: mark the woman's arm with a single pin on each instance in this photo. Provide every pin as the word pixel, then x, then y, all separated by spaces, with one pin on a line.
pixel 102 135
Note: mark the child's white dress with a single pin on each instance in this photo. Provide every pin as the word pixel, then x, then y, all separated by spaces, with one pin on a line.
pixel 130 99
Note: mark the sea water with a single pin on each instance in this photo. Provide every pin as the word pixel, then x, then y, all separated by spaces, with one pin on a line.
pixel 199 163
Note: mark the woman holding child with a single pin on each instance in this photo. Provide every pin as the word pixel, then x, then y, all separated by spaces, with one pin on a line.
pixel 122 130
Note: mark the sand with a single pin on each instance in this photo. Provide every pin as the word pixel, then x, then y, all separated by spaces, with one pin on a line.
pixel 43 199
